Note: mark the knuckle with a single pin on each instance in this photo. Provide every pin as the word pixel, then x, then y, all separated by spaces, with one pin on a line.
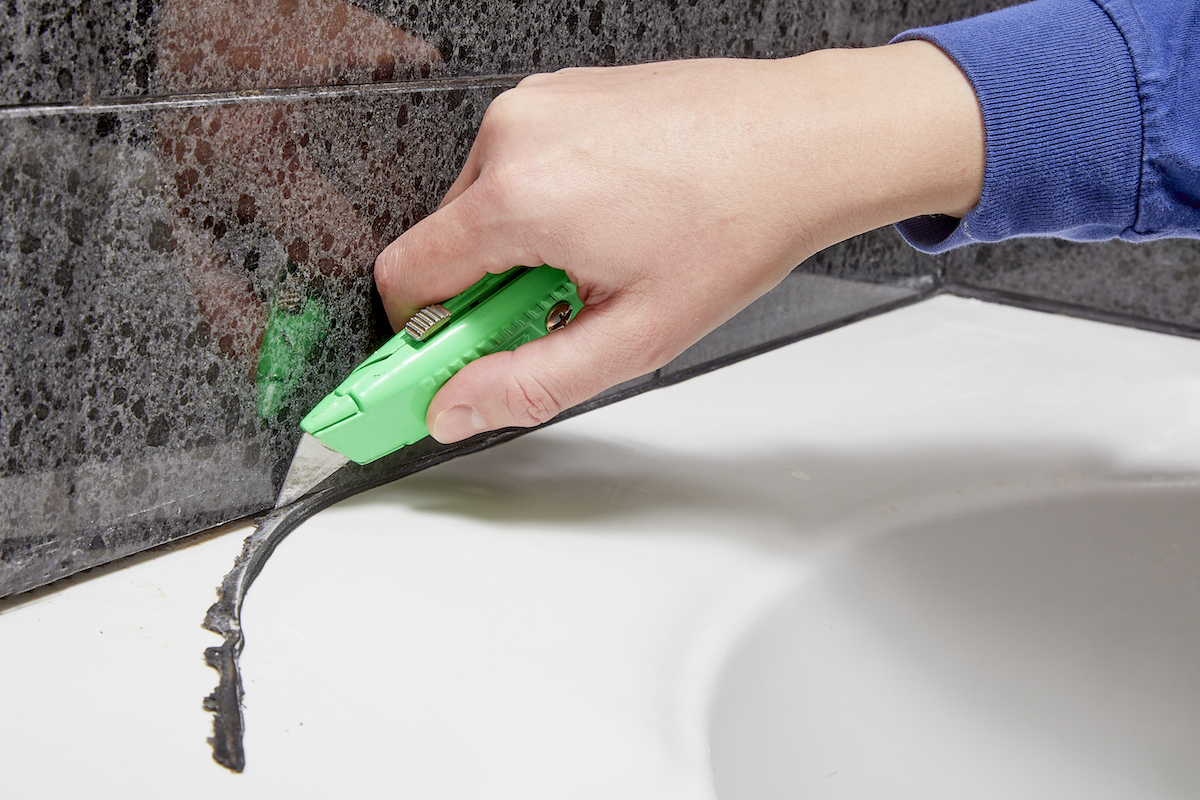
pixel 532 401
pixel 530 103
pixel 505 110
pixel 508 194
pixel 388 271
pixel 383 267
pixel 396 280
pixel 534 80
pixel 638 349
pixel 492 190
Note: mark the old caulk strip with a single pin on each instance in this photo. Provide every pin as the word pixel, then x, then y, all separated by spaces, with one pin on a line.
pixel 224 617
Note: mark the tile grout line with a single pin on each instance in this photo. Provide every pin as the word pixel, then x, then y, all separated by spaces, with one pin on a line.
pixel 247 96
pixel 1078 310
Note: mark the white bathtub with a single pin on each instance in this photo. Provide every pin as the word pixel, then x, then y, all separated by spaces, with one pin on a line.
pixel 947 552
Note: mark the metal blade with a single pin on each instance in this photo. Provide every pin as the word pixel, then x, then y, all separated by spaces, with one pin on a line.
pixel 313 463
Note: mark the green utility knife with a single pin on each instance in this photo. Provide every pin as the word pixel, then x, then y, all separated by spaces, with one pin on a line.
pixel 381 405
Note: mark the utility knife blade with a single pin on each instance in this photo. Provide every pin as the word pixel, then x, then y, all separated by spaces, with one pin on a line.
pixel 381 406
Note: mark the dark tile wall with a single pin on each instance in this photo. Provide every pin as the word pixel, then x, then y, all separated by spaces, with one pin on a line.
pixel 180 285
pixel 192 194
pixel 1154 284
pixel 70 51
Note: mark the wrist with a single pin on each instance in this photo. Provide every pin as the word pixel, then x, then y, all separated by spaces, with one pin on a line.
pixel 883 134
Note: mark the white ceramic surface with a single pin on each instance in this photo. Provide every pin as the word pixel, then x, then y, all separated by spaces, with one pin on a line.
pixel 948 552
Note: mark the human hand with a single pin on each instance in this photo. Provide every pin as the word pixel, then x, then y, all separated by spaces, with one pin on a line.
pixel 673 195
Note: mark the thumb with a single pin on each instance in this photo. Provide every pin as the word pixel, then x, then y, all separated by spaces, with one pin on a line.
pixel 532 384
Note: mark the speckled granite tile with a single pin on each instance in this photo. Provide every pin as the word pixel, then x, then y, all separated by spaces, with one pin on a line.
pixel 879 256
pixel 146 254
pixel 1155 281
pixel 73 50
pixel 801 305
pixel 150 253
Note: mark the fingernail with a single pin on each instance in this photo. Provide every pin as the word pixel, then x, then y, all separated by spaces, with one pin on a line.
pixel 457 423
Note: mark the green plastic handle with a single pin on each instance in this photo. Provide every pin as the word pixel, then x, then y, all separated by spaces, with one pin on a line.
pixel 381 405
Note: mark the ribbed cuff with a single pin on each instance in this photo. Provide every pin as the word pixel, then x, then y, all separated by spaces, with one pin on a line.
pixel 1062 125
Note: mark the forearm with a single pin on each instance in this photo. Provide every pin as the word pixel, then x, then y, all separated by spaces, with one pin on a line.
pixel 881 135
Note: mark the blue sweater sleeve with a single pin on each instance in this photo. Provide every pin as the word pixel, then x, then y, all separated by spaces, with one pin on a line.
pixel 1091 114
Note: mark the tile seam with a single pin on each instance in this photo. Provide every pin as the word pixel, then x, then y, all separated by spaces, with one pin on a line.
pixel 109 105
pixel 1067 308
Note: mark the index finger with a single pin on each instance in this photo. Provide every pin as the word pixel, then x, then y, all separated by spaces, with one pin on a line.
pixel 445 253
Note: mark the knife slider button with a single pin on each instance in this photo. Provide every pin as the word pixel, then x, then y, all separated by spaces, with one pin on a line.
pixel 427 321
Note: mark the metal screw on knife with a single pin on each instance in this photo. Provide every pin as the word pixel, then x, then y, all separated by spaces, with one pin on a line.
pixel 559 316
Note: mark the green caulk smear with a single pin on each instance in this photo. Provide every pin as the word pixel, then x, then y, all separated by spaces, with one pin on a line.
pixel 295 327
